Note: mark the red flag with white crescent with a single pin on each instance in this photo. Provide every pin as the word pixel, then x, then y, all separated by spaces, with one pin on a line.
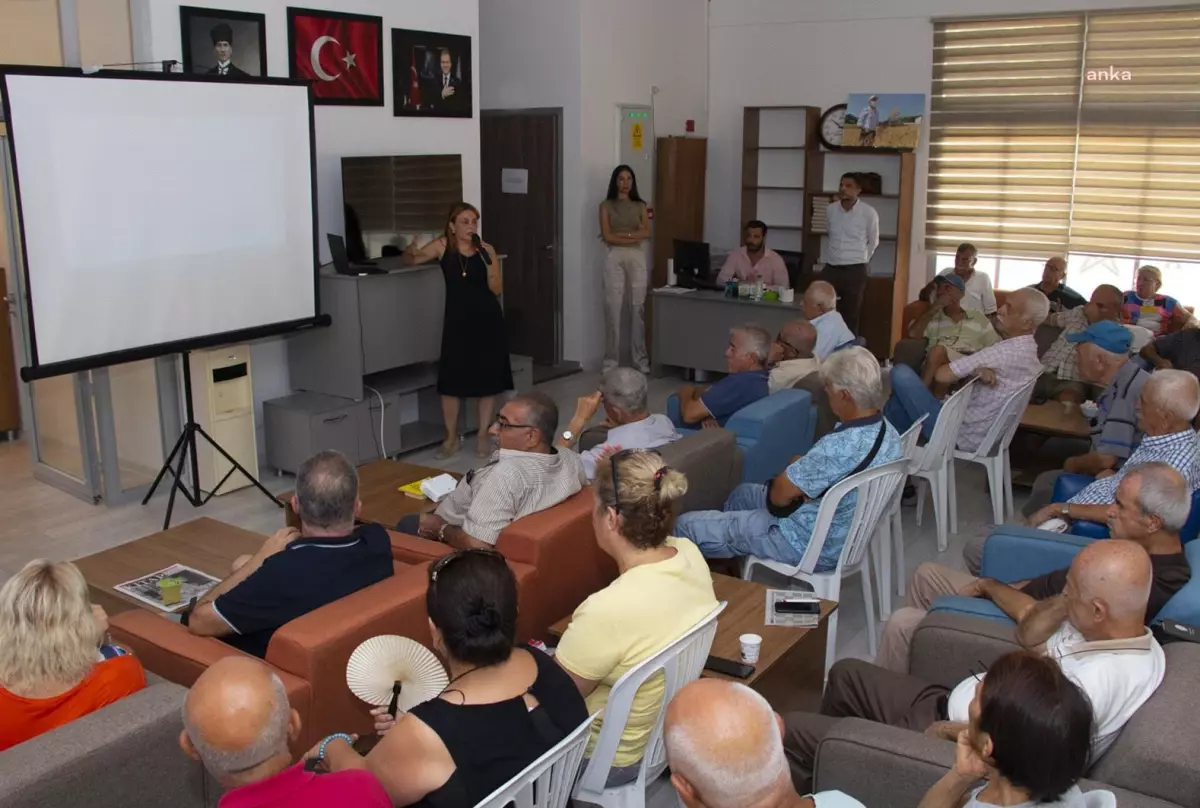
pixel 340 54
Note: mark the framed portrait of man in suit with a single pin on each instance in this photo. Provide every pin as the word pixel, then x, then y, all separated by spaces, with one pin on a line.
pixel 431 75
pixel 218 42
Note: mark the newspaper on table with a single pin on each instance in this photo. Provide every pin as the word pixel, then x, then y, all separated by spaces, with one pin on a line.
pixel 791 620
pixel 145 589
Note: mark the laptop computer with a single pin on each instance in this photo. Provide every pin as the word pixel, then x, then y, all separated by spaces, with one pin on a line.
pixel 341 260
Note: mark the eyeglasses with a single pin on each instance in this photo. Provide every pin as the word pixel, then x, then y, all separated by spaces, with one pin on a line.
pixel 503 423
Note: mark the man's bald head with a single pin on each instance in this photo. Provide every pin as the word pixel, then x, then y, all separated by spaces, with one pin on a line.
pixel 236 717
pixel 724 742
pixel 1108 588
pixel 801 335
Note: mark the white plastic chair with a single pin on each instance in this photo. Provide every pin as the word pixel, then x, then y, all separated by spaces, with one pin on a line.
pixel 890 537
pixel 876 487
pixel 547 782
pixel 993 455
pixel 932 462
pixel 680 662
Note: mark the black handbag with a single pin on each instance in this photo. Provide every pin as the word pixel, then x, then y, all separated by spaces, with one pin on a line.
pixel 784 511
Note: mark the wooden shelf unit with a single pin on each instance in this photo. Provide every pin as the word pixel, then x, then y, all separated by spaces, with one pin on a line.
pixel 887 288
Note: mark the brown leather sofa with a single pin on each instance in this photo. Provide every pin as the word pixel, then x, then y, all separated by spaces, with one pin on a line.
pixel 309 654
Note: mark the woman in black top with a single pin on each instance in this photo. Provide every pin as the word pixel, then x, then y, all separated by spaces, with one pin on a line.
pixel 503 709
pixel 475 361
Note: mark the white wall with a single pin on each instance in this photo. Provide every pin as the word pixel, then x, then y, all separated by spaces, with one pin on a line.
pixel 812 52
pixel 588 57
pixel 341 131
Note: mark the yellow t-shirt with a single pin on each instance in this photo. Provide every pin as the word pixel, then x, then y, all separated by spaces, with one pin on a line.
pixel 629 621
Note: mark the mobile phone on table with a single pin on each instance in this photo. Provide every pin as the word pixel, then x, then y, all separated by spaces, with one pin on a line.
pixel 1180 631
pixel 728 667
pixel 798 606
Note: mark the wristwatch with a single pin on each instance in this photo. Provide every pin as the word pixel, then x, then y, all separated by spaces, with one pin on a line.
pixel 1066 510
pixel 568 436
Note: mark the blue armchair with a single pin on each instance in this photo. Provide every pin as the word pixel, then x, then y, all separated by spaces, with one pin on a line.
pixel 770 432
pixel 1068 485
pixel 1015 553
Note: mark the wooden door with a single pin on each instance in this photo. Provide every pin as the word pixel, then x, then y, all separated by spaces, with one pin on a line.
pixel 523 220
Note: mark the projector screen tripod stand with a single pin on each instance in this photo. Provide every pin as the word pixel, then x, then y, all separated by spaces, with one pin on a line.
pixel 184 454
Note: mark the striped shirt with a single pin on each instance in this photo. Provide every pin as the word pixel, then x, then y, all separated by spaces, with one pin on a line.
pixel 512 485
pixel 972 333
pixel 1062 358
pixel 1015 362
pixel 1178 450
pixel 1114 429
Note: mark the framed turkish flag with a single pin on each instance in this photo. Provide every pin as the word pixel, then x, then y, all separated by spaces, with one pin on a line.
pixel 341 54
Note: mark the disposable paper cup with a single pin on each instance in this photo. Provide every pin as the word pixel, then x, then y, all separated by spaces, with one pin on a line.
pixel 751 645
pixel 170 592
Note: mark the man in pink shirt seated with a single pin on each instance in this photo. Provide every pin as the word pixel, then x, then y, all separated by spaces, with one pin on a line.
pixel 238 722
pixel 755 261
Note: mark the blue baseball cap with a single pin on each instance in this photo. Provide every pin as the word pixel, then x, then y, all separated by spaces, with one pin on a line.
pixel 1112 337
pixel 953 280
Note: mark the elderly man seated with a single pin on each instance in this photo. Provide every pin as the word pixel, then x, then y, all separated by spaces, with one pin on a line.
pixel 1060 378
pixel 1152 504
pixel 950 331
pixel 238 723
pixel 819 305
pixel 725 748
pixel 1054 286
pixel 630 425
pixel 1095 630
pixel 298 571
pixel 777 521
pixel 527 474
pixel 979 293
pixel 747 382
pixel 1104 361
pixel 792 355
pixel 1002 369
pixel 1143 306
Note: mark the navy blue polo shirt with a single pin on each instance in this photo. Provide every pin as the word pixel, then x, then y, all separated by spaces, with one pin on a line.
pixel 735 391
pixel 304 576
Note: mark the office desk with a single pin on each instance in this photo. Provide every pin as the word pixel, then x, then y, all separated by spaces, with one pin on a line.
pixel 691 330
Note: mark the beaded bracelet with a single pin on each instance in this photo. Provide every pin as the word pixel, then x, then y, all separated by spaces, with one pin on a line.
pixel 324 743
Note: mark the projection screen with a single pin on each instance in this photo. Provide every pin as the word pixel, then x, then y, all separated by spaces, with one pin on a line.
pixel 159 213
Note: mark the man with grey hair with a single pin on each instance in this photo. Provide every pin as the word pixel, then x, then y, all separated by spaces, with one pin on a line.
pixel 238 723
pixel 527 474
pixel 623 393
pixel 819 305
pixel 298 571
pixel 792 356
pixel 747 382
pixel 776 521
pixel 1002 369
pixel 1152 505
pixel 724 745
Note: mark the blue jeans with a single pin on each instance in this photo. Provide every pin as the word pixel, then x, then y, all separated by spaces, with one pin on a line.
pixel 910 400
pixel 745 527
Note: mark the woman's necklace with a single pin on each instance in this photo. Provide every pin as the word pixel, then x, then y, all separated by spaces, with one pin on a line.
pixel 462 262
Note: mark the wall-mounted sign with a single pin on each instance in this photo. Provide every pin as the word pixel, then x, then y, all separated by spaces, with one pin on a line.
pixel 514 180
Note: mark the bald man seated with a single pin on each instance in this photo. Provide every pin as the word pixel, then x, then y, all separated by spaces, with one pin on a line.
pixel 238 723
pixel 298 571
pixel 1095 630
pixel 819 305
pixel 725 749
pixel 792 355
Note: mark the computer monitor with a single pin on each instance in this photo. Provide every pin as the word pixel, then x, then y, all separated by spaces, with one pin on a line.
pixel 693 258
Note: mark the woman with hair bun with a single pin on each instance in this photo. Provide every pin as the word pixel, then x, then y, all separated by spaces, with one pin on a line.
pixel 664 587
pixel 503 708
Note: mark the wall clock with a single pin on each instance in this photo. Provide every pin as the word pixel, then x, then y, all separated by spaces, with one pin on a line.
pixel 830 130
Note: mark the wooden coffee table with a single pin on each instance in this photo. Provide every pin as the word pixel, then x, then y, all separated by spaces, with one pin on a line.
pixel 790 671
pixel 203 544
pixel 378 489
pixel 1055 420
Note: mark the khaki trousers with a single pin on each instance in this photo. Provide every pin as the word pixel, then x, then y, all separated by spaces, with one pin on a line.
pixel 625 265
pixel 929 583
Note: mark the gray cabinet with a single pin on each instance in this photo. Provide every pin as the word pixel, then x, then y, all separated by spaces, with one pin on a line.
pixel 298 426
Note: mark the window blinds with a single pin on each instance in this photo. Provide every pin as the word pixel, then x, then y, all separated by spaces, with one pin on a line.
pixel 1075 133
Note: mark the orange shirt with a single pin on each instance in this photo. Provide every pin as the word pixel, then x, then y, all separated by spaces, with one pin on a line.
pixel 109 681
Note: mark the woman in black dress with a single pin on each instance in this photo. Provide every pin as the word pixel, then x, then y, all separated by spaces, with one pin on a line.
pixel 475 361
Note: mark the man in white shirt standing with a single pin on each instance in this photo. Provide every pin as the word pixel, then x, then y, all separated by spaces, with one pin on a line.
pixel 868 121
pixel 1095 630
pixel 853 237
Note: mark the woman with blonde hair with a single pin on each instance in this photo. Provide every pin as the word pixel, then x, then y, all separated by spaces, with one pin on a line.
pixel 663 588
pixel 474 362
pixel 54 665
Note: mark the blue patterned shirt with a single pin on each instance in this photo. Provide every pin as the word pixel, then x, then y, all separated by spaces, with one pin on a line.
pixel 1178 450
pixel 831 459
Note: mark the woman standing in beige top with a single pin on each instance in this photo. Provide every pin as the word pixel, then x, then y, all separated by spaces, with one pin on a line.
pixel 624 227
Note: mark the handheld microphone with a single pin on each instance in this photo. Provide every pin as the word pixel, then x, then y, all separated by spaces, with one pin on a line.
pixel 478 244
